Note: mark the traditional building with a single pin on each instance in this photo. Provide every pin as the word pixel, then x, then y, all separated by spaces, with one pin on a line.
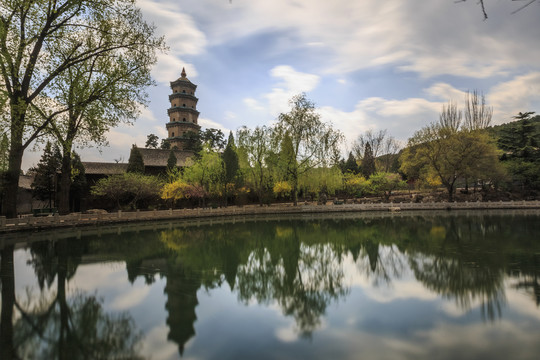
pixel 183 114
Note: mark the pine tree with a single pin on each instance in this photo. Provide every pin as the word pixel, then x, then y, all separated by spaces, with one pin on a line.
pixel 230 158
pixel 171 161
pixel 368 162
pixel 350 165
pixel 46 172
pixel 135 162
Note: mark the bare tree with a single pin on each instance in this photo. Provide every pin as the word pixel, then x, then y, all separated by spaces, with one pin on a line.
pixel 477 114
pixel 374 139
pixel 450 117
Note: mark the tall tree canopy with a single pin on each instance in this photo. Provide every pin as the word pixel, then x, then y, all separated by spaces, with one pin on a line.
pixel 313 143
pixel 45 42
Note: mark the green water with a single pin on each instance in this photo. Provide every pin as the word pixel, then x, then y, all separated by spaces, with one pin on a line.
pixel 412 286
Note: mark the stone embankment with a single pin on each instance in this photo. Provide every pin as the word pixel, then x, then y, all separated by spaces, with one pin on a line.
pixel 31 223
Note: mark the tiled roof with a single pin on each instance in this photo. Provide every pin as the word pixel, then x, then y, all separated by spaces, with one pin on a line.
pixel 159 157
pixel 104 168
pixel 151 157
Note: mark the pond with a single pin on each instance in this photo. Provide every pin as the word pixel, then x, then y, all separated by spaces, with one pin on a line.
pixel 423 285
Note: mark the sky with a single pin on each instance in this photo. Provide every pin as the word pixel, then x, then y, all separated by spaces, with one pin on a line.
pixel 367 65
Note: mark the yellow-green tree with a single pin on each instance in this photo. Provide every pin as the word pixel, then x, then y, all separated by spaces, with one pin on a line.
pixel 451 151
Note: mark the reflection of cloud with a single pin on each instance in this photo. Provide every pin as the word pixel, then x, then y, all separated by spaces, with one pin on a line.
pixel 287 334
pixel 155 345
pixel 131 297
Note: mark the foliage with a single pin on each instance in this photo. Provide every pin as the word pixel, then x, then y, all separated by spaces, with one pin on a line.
pixel 254 148
pixel 47 51
pixel 171 161
pixel 356 184
pixel 135 162
pixel 305 141
pixel 520 141
pixel 368 162
pixel 385 183
pixel 151 141
pixel 213 139
pixel 165 144
pixel 450 152
pixel 282 189
pixel 350 165
pixel 46 174
pixel 128 188
pixel 321 180
pixel 4 153
pixel 230 160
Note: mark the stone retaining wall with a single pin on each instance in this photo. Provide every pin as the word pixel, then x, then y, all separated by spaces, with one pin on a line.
pixel 79 219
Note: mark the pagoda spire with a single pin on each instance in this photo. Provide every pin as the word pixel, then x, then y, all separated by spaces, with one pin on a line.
pixel 183 73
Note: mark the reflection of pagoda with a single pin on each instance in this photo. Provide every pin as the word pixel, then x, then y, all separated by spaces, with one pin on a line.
pixel 181 291
pixel 183 114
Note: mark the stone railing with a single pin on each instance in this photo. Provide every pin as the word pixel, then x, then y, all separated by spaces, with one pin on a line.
pixel 29 222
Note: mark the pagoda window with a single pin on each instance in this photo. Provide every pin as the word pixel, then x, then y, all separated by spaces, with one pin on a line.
pixel 184 119
pixel 183 91
pixel 172 134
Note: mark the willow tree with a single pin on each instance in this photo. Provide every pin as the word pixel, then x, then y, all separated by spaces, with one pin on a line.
pixel 44 44
pixel 313 142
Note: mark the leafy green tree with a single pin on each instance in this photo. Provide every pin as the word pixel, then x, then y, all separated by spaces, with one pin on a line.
pixel 385 183
pixel 305 140
pixel 79 185
pixel 45 181
pixel 151 141
pixel 165 144
pixel 4 160
pixel 40 41
pixel 214 139
pixel 135 162
pixel 254 149
pixel 128 189
pixel 368 162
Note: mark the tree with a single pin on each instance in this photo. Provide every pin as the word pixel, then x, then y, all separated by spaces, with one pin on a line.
pixel 306 141
pixel 385 183
pixel 97 95
pixel 449 151
pixel 254 149
pixel 214 139
pixel 230 159
pixel 171 161
pixel 368 162
pixel 46 174
pixel 151 141
pixel 350 165
pixel 4 161
pixel 40 41
pixel 128 188
pixel 135 162
pixel 165 144
pixel 78 182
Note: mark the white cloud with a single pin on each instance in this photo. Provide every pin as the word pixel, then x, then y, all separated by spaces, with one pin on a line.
pixel 519 94
pixel 429 38
pixel 181 35
pixel 291 83
pixel 207 123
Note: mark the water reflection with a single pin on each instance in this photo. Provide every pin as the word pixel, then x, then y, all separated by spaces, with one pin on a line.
pixel 299 267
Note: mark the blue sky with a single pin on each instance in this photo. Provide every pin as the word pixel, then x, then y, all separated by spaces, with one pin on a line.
pixel 366 64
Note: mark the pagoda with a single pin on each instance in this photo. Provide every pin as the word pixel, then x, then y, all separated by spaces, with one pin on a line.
pixel 183 114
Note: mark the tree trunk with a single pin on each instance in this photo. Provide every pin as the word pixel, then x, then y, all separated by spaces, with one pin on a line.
pixel 11 185
pixel 65 184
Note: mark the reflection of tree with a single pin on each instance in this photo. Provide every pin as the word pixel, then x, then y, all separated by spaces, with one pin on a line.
pixel 525 269
pixel 76 328
pixel 7 277
pixel 55 326
pixel 302 279
pixel 462 281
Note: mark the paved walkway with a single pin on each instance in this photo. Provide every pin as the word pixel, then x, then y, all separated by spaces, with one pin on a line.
pixel 31 223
